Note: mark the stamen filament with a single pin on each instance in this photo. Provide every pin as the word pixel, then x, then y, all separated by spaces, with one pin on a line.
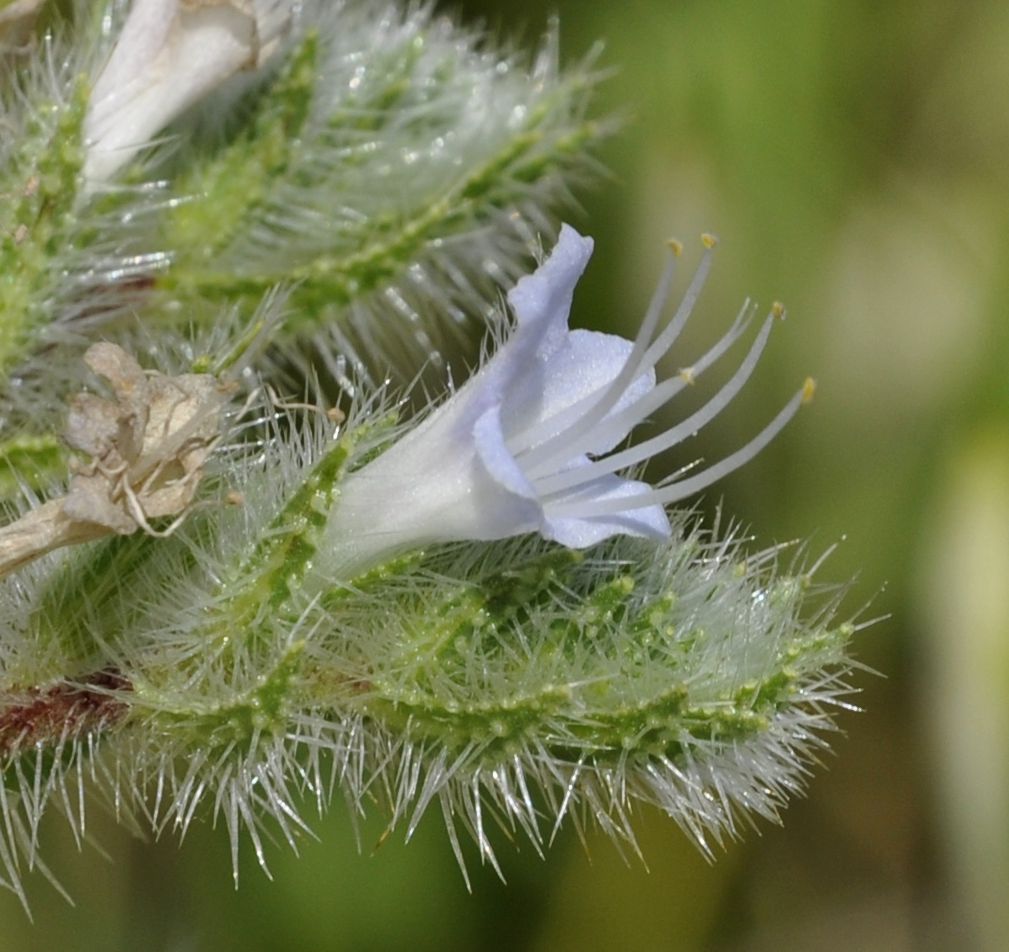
pixel 664 441
pixel 631 416
pixel 683 488
pixel 640 360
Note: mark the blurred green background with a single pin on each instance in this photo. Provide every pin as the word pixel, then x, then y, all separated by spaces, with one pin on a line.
pixel 852 159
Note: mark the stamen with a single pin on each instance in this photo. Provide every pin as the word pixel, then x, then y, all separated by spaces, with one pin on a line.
pixel 676 491
pixel 628 418
pixel 676 434
pixel 538 443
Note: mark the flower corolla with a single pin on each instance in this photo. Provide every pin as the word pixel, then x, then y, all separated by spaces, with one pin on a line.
pixel 529 443
pixel 169 55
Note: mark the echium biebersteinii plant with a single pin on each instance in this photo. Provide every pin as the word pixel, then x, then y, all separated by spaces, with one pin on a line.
pixel 221 600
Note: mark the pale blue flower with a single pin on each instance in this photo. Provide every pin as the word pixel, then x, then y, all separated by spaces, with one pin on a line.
pixel 528 443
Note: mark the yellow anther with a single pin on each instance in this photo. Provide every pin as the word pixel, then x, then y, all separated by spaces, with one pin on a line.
pixel 778 310
pixel 688 376
pixel 675 246
pixel 808 390
pixel 234 498
pixel 335 415
pixel 709 240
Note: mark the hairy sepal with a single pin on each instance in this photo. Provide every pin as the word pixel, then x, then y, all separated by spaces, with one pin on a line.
pixel 514 683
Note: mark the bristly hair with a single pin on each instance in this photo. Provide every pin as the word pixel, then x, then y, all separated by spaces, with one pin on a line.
pixel 385 134
pixel 516 684
pixel 390 172
pixel 387 165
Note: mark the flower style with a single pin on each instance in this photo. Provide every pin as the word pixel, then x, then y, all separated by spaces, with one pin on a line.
pixel 169 55
pixel 528 444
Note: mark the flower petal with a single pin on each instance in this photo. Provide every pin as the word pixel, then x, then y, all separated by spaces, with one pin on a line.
pixel 519 371
pixel 541 301
pixel 578 371
pixel 497 460
pixel 578 533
